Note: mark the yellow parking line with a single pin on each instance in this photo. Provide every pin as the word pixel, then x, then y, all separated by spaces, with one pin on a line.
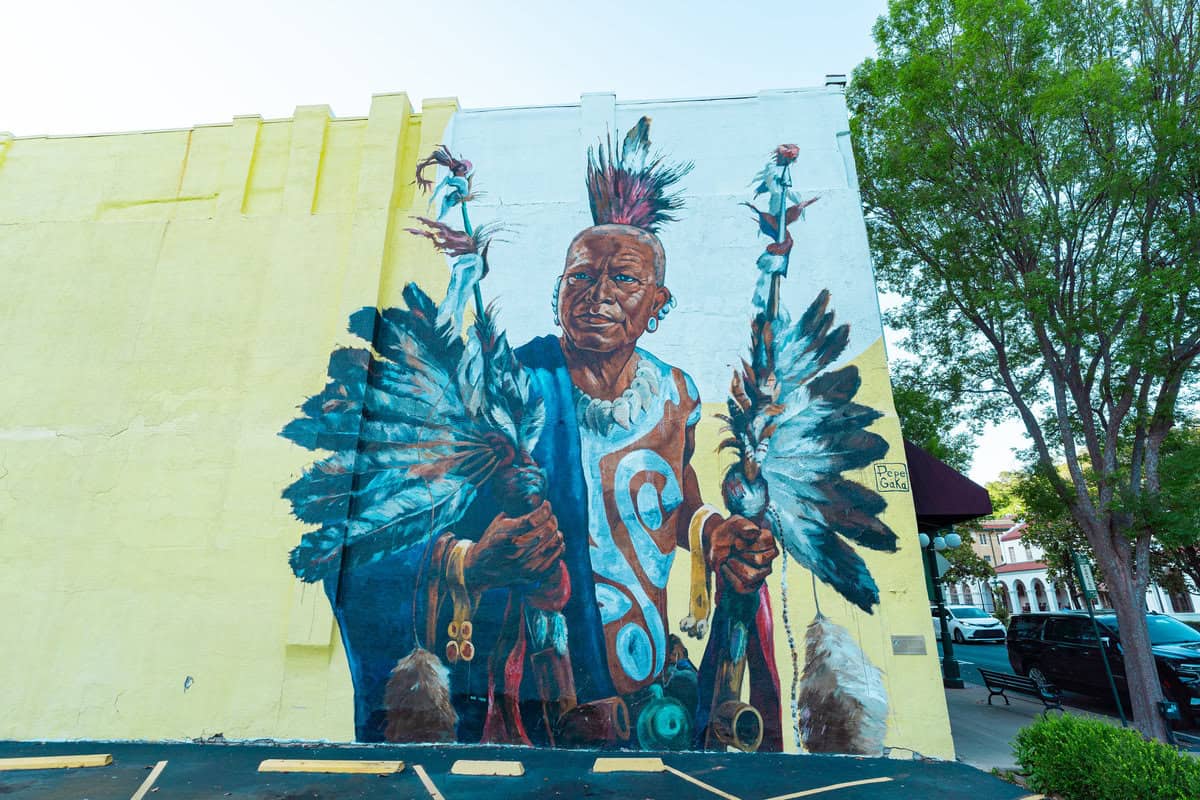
pixel 56 762
pixel 434 794
pixel 830 788
pixel 701 783
pixel 331 766
pixel 506 769
pixel 636 764
pixel 144 789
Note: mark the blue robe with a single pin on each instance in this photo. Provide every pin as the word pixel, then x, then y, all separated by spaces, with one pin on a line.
pixel 374 603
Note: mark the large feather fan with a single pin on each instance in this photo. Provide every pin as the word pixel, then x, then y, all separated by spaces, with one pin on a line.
pixel 797 429
pixel 416 424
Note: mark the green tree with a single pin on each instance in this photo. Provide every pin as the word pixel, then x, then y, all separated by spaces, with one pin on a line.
pixel 1029 496
pixel 965 563
pixel 1031 185
pixel 1175 513
pixel 933 417
pixel 1049 524
pixel 1002 491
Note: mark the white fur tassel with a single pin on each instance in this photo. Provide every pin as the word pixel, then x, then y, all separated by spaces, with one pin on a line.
pixel 417 699
pixel 843 703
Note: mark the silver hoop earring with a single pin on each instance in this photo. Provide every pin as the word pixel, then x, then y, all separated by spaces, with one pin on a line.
pixel 652 325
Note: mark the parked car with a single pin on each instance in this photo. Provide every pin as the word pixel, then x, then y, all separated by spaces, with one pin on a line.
pixel 1061 648
pixel 1191 619
pixel 968 624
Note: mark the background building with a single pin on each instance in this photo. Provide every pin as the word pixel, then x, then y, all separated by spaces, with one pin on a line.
pixel 1023 580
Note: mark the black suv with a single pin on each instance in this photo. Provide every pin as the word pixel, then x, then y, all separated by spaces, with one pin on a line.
pixel 1061 648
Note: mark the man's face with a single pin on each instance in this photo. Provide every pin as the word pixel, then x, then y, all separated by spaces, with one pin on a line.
pixel 609 289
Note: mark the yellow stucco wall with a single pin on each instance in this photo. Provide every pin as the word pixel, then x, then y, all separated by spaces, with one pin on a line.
pixel 166 300
pixel 169 298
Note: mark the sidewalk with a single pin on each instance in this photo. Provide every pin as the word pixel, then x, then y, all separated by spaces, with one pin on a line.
pixel 983 734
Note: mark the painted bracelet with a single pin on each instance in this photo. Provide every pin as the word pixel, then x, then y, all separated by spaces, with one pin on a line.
pixel 460 629
pixel 695 624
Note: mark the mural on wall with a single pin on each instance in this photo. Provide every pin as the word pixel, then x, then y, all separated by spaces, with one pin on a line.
pixel 495 527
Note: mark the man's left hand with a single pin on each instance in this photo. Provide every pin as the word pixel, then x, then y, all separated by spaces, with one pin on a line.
pixel 742 552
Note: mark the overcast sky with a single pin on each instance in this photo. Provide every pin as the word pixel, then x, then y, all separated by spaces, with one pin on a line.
pixel 85 67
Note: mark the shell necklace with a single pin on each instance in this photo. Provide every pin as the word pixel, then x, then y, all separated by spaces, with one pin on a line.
pixel 601 415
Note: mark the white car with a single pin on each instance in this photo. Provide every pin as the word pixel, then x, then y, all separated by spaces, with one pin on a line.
pixel 969 624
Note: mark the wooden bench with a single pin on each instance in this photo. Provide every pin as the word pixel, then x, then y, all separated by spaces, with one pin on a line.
pixel 998 683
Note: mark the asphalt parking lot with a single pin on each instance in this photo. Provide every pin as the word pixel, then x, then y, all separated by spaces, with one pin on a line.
pixel 193 771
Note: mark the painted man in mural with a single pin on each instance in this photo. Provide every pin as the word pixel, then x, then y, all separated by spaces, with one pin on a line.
pixel 554 620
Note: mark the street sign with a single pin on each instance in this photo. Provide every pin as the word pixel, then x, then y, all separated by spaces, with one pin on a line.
pixel 1086 579
pixel 1088 582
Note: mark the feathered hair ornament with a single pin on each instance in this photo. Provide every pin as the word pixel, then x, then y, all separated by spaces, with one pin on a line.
pixel 796 429
pixel 627 185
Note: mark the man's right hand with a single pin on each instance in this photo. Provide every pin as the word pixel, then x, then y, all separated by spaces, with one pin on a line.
pixel 515 550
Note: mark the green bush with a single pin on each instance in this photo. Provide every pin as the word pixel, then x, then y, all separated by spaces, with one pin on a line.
pixel 1087 759
pixel 1003 614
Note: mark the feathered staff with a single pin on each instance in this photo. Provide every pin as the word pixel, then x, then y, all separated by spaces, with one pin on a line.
pixel 468 248
pixel 519 493
pixel 417 423
pixel 796 429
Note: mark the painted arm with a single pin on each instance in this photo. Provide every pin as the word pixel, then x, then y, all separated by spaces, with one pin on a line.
pixel 734 547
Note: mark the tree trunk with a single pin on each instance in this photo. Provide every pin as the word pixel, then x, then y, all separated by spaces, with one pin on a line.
pixel 1073 591
pixel 1141 673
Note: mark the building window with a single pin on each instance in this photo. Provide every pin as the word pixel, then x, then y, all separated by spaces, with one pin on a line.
pixel 1028 553
pixel 988 559
pixel 1182 603
pixel 1012 553
pixel 983 538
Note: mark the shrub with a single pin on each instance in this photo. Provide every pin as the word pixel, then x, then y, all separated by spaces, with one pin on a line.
pixel 1087 759
pixel 1003 614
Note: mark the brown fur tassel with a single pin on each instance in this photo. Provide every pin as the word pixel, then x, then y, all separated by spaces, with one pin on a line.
pixel 417 699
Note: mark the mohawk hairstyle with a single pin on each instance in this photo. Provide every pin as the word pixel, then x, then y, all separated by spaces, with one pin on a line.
pixel 628 186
